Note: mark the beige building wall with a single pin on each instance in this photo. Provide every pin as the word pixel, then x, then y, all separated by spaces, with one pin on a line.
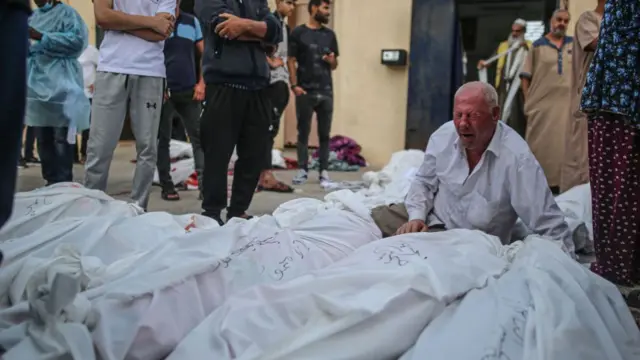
pixel 370 98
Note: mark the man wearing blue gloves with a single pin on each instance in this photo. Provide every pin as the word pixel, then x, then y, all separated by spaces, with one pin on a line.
pixel 56 104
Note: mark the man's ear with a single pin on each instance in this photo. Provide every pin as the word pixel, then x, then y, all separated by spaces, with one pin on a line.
pixel 496 113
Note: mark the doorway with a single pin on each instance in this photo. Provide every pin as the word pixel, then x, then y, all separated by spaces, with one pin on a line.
pixel 486 23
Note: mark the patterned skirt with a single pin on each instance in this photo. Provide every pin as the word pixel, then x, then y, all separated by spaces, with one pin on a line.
pixel 614 166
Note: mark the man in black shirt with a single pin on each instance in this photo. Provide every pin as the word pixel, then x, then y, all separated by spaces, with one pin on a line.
pixel 238 36
pixel 14 40
pixel 314 48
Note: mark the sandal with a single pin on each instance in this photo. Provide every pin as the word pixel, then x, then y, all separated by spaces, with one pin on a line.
pixel 279 187
pixel 170 194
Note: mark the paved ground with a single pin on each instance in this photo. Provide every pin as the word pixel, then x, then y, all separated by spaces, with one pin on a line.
pixel 122 173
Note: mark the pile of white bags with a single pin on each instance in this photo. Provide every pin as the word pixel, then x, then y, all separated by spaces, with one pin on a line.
pixel 34 209
pixel 545 307
pixel 183 165
pixel 137 275
pixel 371 305
pixel 527 301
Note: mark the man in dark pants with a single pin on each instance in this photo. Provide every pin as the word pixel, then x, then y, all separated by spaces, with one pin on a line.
pixel 279 94
pixel 14 37
pixel 314 48
pixel 184 96
pixel 238 110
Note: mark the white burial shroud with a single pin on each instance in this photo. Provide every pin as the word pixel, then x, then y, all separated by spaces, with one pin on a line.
pixel 143 273
pixel 371 305
pixel 545 307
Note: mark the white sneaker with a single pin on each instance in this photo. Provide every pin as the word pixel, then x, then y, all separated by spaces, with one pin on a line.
pixel 324 177
pixel 301 178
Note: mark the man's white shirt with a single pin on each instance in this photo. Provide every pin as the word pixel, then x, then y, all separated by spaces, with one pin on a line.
pixel 89 62
pixel 507 183
pixel 123 53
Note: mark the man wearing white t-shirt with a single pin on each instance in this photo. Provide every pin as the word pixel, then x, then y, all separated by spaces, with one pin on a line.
pixel 131 72
pixel 89 62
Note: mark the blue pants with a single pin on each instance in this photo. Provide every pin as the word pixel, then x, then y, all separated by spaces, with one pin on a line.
pixel 13 91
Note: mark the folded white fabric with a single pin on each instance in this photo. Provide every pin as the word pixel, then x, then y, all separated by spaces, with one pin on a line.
pixel 58 324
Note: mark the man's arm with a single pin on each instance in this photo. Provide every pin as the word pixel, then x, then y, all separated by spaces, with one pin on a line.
pixel 419 199
pixel 532 200
pixel 526 74
pixel 110 19
pixel 333 60
pixel 587 32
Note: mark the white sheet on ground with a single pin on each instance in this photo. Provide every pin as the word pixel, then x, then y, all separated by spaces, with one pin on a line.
pixel 134 269
pixel 576 205
pixel 140 321
pixel 34 209
pixel 545 307
pixel 371 305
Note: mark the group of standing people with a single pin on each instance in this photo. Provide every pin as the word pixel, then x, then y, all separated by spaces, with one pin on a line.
pixel 232 99
pixel 580 115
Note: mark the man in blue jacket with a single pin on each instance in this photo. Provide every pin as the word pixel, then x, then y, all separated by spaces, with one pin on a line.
pixel 238 36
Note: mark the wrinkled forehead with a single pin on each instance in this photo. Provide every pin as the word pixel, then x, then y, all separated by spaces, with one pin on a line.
pixel 469 98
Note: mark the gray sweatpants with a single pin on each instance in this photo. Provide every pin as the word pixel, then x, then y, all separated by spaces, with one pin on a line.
pixel 113 92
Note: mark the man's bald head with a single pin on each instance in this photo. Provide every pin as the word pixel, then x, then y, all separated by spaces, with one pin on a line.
pixel 475 114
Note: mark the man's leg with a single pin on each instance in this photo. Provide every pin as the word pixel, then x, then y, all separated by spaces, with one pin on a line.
pixel 390 218
pixel 279 97
pixel 164 156
pixel 252 142
pixel 108 110
pixel 614 169
pixel 29 142
pixel 83 142
pixel 13 89
pixel 219 128
pixel 47 152
pixel 64 153
pixel 189 111
pixel 304 107
pixel 324 110
pixel 145 109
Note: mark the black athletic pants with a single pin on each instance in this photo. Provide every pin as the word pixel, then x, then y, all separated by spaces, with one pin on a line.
pixel 14 44
pixel 240 118
pixel 306 105
pixel 279 95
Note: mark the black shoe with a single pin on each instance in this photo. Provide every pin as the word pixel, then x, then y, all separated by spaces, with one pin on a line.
pixel 215 217
pixel 32 160
pixel 22 164
pixel 241 216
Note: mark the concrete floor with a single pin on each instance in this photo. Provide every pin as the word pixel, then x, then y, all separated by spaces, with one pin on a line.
pixel 122 173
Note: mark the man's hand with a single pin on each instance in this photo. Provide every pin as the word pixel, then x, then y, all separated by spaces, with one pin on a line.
pixel 232 27
pixel 92 88
pixel 298 91
pixel 412 226
pixel 482 64
pixel 34 34
pixel 277 62
pixel 166 96
pixel 330 58
pixel 199 91
pixel 163 24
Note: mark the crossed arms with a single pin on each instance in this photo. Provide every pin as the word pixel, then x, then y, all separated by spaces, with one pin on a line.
pixel 150 28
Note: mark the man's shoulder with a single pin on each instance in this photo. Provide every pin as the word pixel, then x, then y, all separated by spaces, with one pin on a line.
pixel 444 136
pixel 514 146
pixel 186 18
